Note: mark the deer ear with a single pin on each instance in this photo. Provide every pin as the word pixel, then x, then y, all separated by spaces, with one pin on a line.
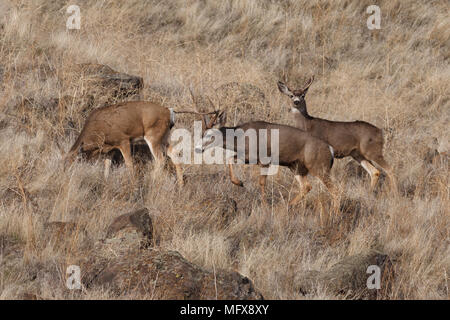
pixel 283 88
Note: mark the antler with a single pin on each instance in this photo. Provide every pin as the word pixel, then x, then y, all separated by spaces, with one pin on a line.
pixel 195 111
pixel 309 83
pixel 217 114
pixel 194 101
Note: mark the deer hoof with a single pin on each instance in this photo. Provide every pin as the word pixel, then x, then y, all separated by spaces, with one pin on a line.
pixel 238 183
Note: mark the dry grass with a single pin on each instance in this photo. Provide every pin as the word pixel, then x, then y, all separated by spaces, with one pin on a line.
pixel 396 78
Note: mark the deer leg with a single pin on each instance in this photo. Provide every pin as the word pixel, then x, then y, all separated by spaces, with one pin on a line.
pixel 373 172
pixel 326 180
pixel 107 167
pixel 233 178
pixel 305 187
pixel 155 149
pixel 125 149
pixel 389 172
pixel 178 169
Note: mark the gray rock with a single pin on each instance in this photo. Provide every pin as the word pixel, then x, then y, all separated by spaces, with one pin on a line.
pixel 139 220
pixel 160 274
pixel 349 276
pixel 103 81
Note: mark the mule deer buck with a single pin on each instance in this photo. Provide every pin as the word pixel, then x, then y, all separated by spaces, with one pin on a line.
pixel 358 139
pixel 117 126
pixel 297 150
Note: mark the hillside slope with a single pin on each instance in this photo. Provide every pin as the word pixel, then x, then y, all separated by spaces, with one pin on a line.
pixel 396 78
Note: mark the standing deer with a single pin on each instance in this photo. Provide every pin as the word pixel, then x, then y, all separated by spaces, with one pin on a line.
pixel 358 139
pixel 297 150
pixel 117 126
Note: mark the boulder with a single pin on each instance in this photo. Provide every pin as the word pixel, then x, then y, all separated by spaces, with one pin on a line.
pixel 160 274
pixel 121 271
pixel 349 277
pixel 138 221
pixel 107 85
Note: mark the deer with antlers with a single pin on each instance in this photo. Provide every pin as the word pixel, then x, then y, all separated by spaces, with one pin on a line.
pixel 117 126
pixel 297 150
pixel 358 139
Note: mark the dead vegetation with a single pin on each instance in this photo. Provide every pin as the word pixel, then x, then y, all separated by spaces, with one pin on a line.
pixel 234 52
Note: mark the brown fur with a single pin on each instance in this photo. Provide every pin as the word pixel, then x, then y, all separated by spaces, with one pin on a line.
pixel 116 126
pixel 298 150
pixel 358 139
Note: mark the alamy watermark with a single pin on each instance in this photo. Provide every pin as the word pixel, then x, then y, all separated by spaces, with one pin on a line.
pixel 374 20
pixel 73 280
pixel 250 146
pixel 74 20
pixel 374 280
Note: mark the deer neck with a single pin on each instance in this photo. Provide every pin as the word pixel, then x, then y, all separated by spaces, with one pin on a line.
pixel 302 118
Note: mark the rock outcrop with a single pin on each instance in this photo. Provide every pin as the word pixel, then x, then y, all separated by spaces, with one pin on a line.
pixel 161 274
pixel 349 277
pixel 137 223
pixel 126 263
pixel 103 82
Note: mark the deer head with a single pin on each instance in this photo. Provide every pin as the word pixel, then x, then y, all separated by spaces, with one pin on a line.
pixel 210 126
pixel 297 96
pixel 211 132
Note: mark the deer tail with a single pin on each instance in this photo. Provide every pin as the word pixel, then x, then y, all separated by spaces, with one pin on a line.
pixel 77 143
pixel 70 156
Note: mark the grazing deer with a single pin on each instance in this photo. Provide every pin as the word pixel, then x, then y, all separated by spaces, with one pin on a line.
pixel 117 126
pixel 358 139
pixel 297 150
